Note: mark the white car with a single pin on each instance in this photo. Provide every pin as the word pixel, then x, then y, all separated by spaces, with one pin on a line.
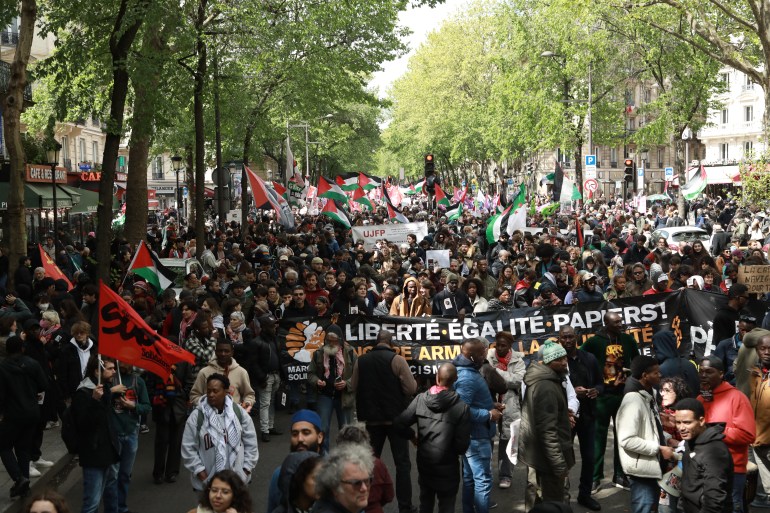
pixel 679 236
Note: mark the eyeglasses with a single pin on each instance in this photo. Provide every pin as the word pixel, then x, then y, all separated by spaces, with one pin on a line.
pixel 638 272
pixel 358 483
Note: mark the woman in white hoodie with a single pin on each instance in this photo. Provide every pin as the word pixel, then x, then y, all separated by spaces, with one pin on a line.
pixel 73 358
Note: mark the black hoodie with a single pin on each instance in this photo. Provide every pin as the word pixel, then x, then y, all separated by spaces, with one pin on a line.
pixel 674 364
pixel 707 473
pixel 21 379
pixel 444 431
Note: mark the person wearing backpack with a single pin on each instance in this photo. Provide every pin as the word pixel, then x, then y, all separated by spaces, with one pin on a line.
pixel 219 435
pixel 97 438
pixel 129 402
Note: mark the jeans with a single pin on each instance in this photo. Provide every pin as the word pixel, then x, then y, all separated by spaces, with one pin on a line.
pixel 325 407
pixel 477 476
pixel 399 447
pixel 267 402
pixel 94 481
pixel 645 494
pixel 585 429
pixel 503 463
pixel 16 440
pixel 739 483
pixel 606 407
pixel 119 476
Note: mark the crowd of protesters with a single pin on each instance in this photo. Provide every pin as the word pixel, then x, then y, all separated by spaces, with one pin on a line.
pixel 209 416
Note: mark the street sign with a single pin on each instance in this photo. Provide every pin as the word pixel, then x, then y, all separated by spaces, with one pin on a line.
pixel 591 185
pixel 640 178
pixel 510 181
pixel 184 191
pixel 590 167
pixel 669 174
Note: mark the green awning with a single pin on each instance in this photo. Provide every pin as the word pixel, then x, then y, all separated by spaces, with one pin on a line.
pixel 89 201
pixel 37 196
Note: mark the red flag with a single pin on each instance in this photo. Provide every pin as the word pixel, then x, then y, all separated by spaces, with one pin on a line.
pixel 51 269
pixel 125 336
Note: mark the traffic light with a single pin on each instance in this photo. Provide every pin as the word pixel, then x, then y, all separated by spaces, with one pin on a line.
pixel 630 170
pixel 430 174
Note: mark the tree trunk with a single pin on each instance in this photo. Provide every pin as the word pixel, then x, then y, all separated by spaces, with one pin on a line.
pixel 189 180
pixel 200 153
pixel 12 108
pixel 121 40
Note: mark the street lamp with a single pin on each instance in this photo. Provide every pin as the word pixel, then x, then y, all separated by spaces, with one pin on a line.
pixel 176 165
pixel 52 154
pixel 306 126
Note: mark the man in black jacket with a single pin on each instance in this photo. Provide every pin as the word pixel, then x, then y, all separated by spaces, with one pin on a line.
pixel 384 385
pixel 707 467
pixel 21 380
pixel 443 434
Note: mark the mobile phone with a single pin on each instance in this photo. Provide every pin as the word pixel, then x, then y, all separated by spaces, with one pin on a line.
pixel 338 379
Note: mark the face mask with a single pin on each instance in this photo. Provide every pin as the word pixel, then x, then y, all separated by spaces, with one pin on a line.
pixel 43 306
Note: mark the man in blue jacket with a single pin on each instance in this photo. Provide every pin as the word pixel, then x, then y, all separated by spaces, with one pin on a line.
pixel 484 415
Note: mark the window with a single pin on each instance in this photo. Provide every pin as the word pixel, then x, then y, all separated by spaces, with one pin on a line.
pixel 724 151
pixel 81 150
pixel 157 168
pixel 65 149
pixel 725 79
pixel 660 157
pixel 724 116
pixel 748 148
pixel 647 95
pixel 748 113
pixel 95 150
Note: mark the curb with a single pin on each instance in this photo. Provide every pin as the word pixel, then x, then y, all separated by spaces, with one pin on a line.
pixel 52 478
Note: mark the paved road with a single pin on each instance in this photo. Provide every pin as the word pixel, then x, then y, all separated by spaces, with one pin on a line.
pixel 146 497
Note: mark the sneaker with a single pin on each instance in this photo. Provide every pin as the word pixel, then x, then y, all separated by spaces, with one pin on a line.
pixel 505 482
pixel 622 482
pixel 595 487
pixel 20 488
pixel 144 428
pixel 492 504
pixel 266 437
pixel 761 502
pixel 41 463
pixel 275 432
pixel 33 472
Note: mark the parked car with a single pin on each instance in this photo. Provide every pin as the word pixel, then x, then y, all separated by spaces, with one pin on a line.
pixel 679 236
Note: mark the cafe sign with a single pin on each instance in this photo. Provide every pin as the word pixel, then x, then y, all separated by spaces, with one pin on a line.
pixel 96 176
pixel 42 174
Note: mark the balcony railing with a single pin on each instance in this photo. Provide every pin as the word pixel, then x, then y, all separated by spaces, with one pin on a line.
pixel 5 81
pixel 9 38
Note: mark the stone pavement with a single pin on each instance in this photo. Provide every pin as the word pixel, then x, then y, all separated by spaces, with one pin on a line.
pixel 53 450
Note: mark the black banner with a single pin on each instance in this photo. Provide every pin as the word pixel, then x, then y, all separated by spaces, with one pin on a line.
pixel 426 342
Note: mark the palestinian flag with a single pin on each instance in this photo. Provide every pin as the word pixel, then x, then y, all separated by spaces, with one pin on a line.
pixel 497 224
pixel 347 181
pixel 695 186
pixel 267 197
pixel 359 196
pixel 331 211
pixel 280 189
pixel 330 190
pixel 146 265
pixel 393 213
pixel 417 188
pixel 441 199
pixel 369 182
pixel 569 191
pixel 513 218
pixel 454 212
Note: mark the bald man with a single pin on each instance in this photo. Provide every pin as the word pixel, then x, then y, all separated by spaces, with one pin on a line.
pixel 443 434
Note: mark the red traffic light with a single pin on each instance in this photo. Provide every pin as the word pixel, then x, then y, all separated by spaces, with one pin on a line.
pixel 629 163
pixel 429 157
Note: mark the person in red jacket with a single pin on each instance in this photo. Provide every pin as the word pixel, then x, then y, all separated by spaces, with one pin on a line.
pixel 724 403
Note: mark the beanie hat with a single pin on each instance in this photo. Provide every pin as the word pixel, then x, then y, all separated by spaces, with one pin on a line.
pixel 307 416
pixel 451 277
pixel 553 351
pixel 333 328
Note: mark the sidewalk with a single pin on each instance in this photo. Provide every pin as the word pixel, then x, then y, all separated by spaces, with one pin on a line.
pixel 53 450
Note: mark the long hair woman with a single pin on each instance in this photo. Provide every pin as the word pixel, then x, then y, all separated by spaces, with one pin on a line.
pixel 226 492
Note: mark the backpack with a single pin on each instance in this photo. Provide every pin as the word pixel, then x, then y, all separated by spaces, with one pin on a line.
pixel 69 431
pixel 199 421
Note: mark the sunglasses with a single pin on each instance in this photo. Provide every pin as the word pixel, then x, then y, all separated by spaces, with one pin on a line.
pixel 358 483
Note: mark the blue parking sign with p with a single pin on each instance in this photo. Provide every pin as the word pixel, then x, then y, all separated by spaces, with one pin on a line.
pixel 590 160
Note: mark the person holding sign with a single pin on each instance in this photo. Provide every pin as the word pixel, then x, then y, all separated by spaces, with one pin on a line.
pixel 451 302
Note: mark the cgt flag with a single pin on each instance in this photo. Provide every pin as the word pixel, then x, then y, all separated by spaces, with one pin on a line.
pixel 125 336
pixel 51 269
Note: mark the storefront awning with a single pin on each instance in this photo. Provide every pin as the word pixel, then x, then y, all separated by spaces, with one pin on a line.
pixel 89 201
pixel 37 196
pixel 722 175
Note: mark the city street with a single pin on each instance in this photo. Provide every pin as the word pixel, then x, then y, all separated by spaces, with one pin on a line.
pixel 146 497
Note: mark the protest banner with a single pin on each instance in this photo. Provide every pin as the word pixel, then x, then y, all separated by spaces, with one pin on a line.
pixel 437 258
pixel 426 342
pixel 755 277
pixel 395 233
